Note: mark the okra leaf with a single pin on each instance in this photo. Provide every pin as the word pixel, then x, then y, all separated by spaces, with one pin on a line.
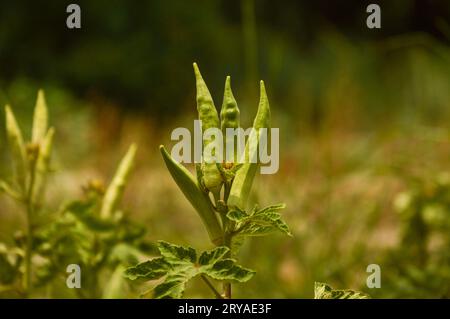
pixel 8 272
pixel 226 269
pixel 212 256
pixel 324 291
pixel 174 254
pixel 237 215
pixel 180 264
pixel 84 212
pixel 148 270
pixel 260 222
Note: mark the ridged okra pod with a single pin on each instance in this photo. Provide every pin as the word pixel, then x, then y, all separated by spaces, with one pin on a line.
pixel 230 117
pixel 17 147
pixel 198 199
pixel 207 114
pixel 243 180
pixel 115 189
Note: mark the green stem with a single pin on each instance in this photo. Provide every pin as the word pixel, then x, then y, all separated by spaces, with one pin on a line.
pixel 29 234
pixel 227 285
pixel 210 285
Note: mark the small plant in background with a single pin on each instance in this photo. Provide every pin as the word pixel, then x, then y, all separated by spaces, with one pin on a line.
pixel 219 194
pixel 31 162
pixel 421 260
pixel 92 232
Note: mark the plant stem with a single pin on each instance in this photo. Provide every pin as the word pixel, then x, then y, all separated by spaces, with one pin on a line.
pixel 29 237
pixel 29 232
pixel 227 285
pixel 28 251
pixel 209 284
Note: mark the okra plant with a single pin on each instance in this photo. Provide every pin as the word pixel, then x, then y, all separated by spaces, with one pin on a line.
pixel 92 232
pixel 31 161
pixel 219 193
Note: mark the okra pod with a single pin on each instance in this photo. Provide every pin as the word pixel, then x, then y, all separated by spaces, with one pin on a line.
pixel 17 147
pixel 243 180
pixel 115 189
pixel 198 199
pixel 230 117
pixel 209 118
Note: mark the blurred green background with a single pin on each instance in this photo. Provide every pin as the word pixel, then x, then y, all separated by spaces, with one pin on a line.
pixel 363 115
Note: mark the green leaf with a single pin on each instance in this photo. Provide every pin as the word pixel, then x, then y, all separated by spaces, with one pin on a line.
pixel 84 212
pixel 260 222
pixel 324 291
pixel 227 269
pixel 237 215
pixel 148 270
pixel 179 265
pixel 8 272
pixel 212 256
pixel 174 254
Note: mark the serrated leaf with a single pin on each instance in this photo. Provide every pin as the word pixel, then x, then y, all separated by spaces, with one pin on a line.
pixel 237 215
pixel 174 253
pixel 260 222
pixel 170 288
pixel 148 270
pixel 227 269
pixel 180 265
pixel 212 256
pixel 84 212
pixel 324 291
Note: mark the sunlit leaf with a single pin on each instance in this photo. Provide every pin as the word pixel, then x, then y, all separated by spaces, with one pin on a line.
pixel 179 265
pixel 324 291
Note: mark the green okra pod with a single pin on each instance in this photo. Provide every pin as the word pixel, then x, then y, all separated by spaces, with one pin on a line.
pixel 207 114
pixel 243 180
pixel 42 166
pixel 198 199
pixel 230 117
pixel 40 119
pixel 115 189
pixel 17 147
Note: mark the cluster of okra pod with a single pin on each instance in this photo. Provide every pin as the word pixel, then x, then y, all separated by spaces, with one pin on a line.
pixel 229 182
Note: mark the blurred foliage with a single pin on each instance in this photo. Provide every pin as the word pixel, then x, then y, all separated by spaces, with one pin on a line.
pixel 364 117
